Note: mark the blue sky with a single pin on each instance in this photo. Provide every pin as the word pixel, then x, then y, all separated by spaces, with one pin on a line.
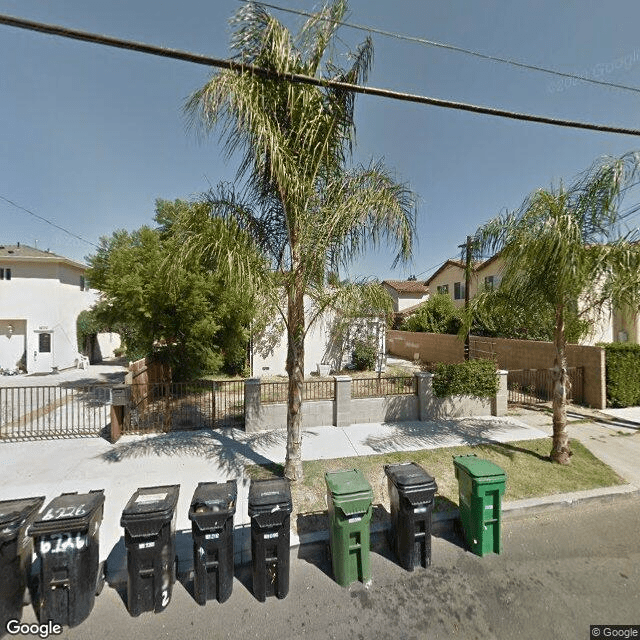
pixel 91 136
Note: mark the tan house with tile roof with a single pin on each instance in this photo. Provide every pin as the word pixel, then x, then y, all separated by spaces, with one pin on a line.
pixel 449 279
pixel 607 326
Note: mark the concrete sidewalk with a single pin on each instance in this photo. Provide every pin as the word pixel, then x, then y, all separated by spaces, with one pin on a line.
pixel 51 467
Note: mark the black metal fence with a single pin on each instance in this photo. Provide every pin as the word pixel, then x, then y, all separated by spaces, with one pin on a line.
pixel 376 387
pixel 535 386
pixel 30 413
pixel 274 392
pixel 176 406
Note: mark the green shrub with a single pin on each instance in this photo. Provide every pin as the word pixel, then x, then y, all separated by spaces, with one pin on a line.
pixel 437 315
pixel 364 355
pixel 623 374
pixel 476 378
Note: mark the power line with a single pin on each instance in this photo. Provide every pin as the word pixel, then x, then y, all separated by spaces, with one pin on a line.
pixel 451 47
pixel 53 224
pixel 241 67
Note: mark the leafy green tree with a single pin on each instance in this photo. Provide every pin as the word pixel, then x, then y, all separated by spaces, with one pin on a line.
pixel 190 317
pixel 307 210
pixel 564 245
pixel 498 314
pixel 437 315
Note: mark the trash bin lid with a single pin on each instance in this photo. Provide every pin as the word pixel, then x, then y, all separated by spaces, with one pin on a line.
pixel 213 498
pixel 409 476
pixel 347 483
pixel 270 495
pixel 478 468
pixel 69 512
pixel 13 514
pixel 151 503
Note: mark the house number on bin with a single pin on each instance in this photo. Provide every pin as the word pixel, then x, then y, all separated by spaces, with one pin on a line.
pixel 59 542
pixel 268 536
pixel 65 512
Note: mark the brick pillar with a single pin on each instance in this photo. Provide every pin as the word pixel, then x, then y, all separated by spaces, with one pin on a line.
pixel 252 421
pixel 342 403
pixel 425 394
pixel 499 402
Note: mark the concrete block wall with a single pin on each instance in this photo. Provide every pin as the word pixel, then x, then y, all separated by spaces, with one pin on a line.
pixel 509 354
pixel 345 410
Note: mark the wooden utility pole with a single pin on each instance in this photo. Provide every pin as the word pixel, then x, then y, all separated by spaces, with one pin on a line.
pixel 467 284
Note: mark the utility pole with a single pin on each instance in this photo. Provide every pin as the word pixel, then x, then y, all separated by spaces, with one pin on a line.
pixel 467 284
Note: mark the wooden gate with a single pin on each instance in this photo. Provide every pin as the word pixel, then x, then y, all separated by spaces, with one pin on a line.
pixel 535 386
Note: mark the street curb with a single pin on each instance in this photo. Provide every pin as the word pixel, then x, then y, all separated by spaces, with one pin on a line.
pixel 443 522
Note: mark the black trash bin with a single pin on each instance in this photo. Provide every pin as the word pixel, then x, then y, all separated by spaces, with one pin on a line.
pixel 149 521
pixel 270 508
pixel 66 539
pixel 211 514
pixel 16 550
pixel 411 494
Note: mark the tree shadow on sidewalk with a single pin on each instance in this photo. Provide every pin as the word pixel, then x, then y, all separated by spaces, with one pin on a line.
pixel 230 448
pixel 443 433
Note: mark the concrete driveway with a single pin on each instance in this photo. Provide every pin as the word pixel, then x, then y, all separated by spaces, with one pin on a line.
pixel 109 371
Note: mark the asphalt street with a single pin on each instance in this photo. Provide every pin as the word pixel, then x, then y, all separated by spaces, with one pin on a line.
pixel 560 572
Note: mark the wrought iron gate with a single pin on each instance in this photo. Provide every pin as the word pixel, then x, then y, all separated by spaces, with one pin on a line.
pixel 177 406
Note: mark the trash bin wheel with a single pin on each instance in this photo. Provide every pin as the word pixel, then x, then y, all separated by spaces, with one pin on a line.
pixel 102 572
pixel 459 531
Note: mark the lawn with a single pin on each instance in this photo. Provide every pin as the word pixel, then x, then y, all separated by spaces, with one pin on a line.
pixel 526 463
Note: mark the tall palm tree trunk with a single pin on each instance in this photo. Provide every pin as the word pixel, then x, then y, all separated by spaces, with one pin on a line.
pixel 560 451
pixel 295 371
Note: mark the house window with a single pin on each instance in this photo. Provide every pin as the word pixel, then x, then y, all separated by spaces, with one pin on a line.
pixel 458 291
pixel 5 274
pixel 44 343
pixel 443 288
pixel 490 282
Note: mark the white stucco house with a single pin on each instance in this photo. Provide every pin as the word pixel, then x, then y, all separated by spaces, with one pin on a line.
pixel 328 344
pixel 41 296
pixel 406 293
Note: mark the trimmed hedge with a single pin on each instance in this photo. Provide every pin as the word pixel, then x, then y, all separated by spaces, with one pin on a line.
pixel 623 374
pixel 476 378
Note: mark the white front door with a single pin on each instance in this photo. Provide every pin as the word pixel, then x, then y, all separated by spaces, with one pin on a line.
pixel 43 352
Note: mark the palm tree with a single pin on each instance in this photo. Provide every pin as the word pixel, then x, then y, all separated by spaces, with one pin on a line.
pixel 565 247
pixel 305 208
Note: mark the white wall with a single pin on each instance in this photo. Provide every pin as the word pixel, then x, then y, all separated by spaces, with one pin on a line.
pixel 321 347
pixel 406 300
pixel 12 342
pixel 108 343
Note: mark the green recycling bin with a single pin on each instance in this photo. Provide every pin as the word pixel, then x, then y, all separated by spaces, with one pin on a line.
pixel 349 498
pixel 480 488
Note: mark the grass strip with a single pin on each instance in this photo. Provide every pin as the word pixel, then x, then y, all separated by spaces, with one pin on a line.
pixel 529 472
